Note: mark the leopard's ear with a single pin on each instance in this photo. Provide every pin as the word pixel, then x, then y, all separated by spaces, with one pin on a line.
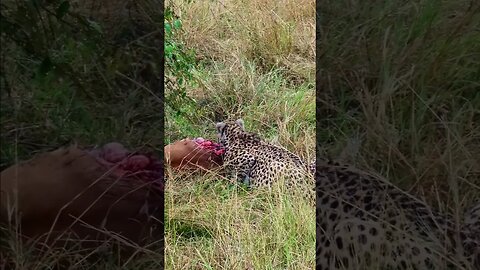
pixel 240 123
pixel 220 126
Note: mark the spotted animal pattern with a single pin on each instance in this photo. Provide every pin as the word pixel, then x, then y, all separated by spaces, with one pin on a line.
pixel 260 164
pixel 364 222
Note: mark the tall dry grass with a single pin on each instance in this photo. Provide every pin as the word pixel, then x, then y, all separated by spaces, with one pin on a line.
pixel 213 225
pixel 399 94
pixel 270 33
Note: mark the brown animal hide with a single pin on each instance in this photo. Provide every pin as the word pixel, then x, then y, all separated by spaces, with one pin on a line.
pixel 187 154
pixel 85 192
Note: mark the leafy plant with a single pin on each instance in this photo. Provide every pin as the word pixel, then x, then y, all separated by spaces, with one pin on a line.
pixel 179 62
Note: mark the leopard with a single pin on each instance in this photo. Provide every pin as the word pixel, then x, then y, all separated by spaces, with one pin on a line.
pixel 313 166
pixel 366 222
pixel 259 164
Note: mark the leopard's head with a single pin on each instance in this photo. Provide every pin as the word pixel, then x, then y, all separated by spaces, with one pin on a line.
pixel 234 131
pixel 229 130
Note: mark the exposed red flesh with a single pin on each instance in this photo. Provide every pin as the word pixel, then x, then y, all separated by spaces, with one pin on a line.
pixel 123 162
pixel 209 145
